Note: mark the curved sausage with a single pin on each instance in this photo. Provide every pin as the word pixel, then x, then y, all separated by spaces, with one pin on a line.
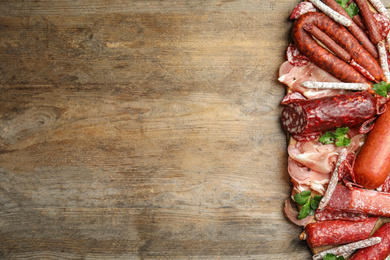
pixel 327 61
pixel 372 164
pixel 379 251
pixel 337 232
pixel 323 114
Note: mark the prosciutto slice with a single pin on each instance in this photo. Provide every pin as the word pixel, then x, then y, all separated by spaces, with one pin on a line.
pixel 293 76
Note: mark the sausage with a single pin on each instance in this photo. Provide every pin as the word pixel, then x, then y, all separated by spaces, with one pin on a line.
pixel 327 41
pixel 369 21
pixel 372 163
pixel 379 251
pixel 326 60
pixel 323 114
pixel 359 200
pixel 355 30
pixel 337 232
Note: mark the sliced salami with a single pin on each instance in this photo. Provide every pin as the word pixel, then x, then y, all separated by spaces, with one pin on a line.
pixel 301 9
pixel 295 57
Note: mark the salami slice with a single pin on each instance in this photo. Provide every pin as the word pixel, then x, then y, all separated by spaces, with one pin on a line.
pixel 337 232
pixel 301 9
pixel 323 114
pixel 295 57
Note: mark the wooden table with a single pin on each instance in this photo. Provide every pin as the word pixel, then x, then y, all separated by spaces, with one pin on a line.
pixel 144 130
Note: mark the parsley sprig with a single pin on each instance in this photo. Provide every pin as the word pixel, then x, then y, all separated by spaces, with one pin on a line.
pixel 309 203
pixel 329 256
pixel 338 137
pixel 381 88
pixel 351 9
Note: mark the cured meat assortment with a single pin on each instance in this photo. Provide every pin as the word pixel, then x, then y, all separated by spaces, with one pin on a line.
pixel 337 118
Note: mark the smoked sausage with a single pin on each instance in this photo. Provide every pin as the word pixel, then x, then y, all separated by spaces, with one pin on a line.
pixel 379 251
pixel 323 114
pixel 326 60
pixel 372 164
pixel 355 30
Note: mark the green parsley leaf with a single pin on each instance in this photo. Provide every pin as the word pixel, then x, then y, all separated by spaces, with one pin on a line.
pixel 309 203
pixel 329 256
pixel 352 10
pixel 341 131
pixel 338 137
pixel 381 88
pixel 328 138
pixel 342 3
pixel 305 210
pixel 301 198
pixel 343 141
pixel 315 202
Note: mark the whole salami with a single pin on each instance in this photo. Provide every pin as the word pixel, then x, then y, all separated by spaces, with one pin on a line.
pixel 337 232
pixel 323 114
pixel 370 202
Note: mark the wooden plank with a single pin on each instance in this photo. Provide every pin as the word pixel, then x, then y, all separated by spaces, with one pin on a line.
pixel 131 133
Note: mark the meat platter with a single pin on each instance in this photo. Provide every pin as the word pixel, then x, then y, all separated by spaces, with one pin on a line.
pixel 338 126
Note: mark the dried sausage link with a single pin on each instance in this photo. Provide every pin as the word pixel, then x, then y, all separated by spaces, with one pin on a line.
pixel 327 61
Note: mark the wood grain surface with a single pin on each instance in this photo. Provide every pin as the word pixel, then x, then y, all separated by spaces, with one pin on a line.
pixel 144 130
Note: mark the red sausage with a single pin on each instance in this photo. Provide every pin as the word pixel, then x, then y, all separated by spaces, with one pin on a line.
pixel 355 30
pixel 327 41
pixel 323 114
pixel 327 61
pixel 337 232
pixel 369 21
pixel 372 164
pixel 379 251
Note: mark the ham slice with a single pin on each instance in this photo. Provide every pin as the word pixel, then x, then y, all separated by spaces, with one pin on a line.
pixel 304 178
pixel 311 163
pixel 293 76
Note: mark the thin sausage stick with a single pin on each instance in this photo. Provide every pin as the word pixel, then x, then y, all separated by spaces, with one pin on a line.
pixel 333 180
pixel 369 21
pixel 362 70
pixel 383 59
pixel 378 5
pixel 336 85
pixel 327 41
pixel 348 249
pixel 331 13
pixel 355 29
